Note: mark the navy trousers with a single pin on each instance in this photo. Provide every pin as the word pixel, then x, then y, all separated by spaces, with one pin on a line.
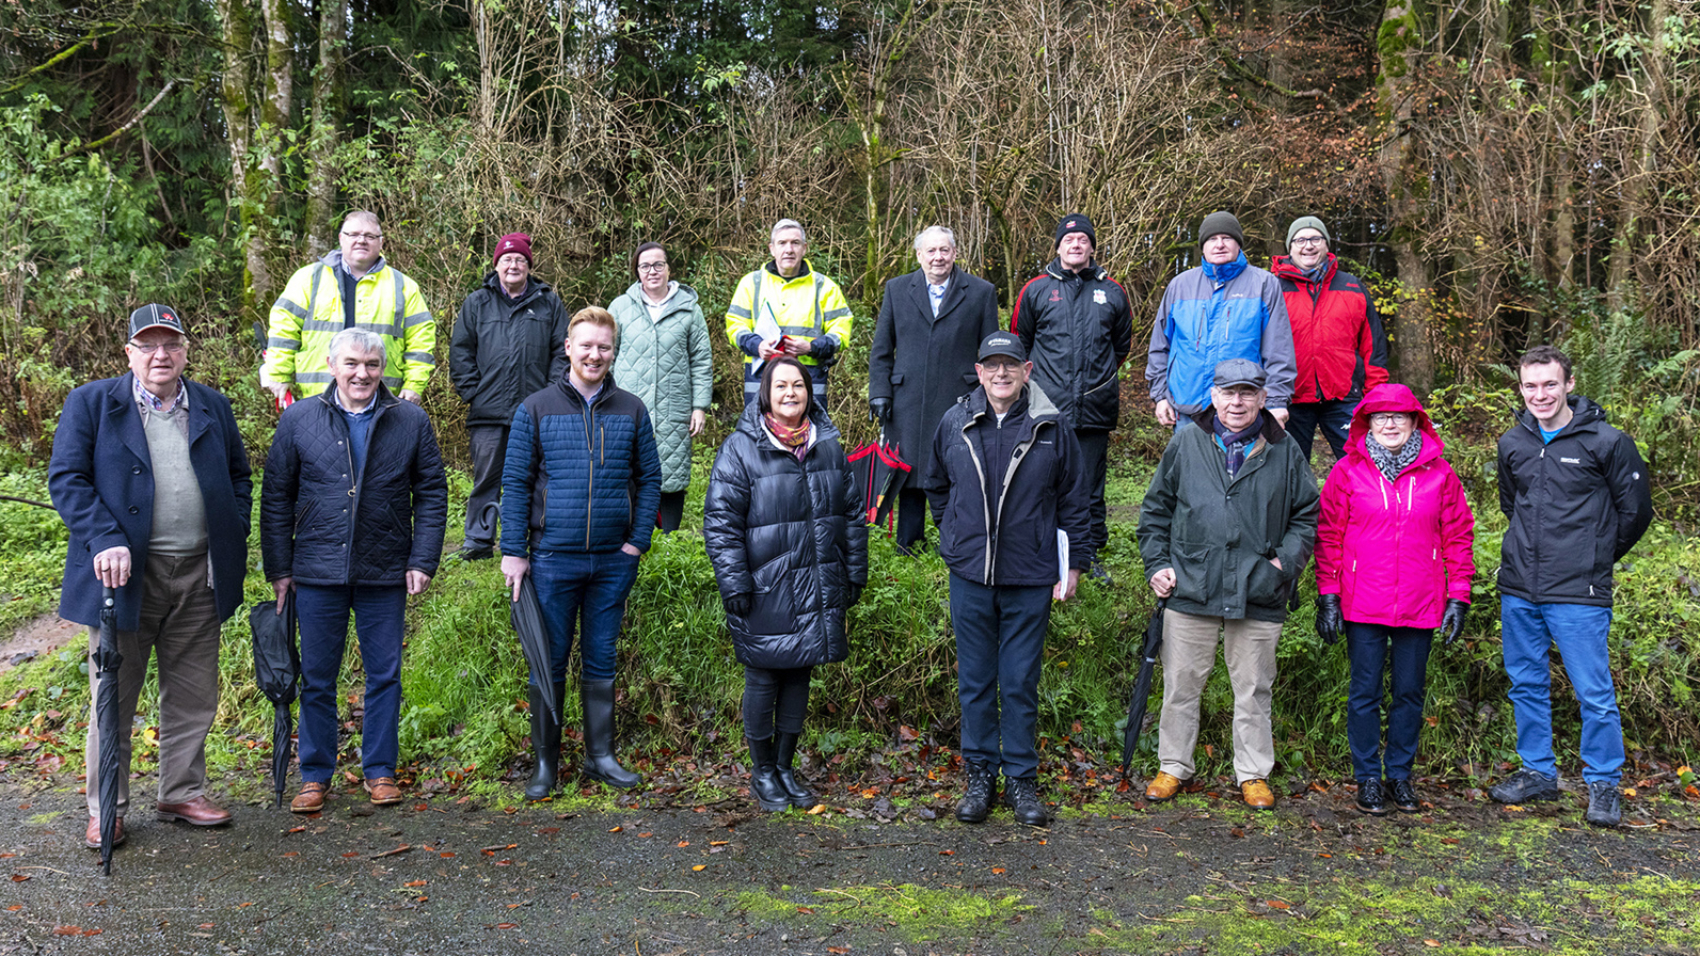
pixel 1401 655
pixel 322 615
pixel 1000 640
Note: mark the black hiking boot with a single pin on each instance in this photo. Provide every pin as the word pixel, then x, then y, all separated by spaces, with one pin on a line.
pixel 1525 786
pixel 1404 795
pixel 1605 805
pixel 764 776
pixel 976 804
pixel 785 752
pixel 546 741
pixel 1372 798
pixel 599 762
pixel 1022 793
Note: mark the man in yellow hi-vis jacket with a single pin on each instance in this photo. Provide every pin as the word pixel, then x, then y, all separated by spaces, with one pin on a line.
pixel 350 288
pixel 787 308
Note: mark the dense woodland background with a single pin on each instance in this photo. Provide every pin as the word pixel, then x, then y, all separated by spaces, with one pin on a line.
pixel 1505 172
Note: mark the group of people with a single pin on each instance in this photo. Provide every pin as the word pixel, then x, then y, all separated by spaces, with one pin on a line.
pixel 581 430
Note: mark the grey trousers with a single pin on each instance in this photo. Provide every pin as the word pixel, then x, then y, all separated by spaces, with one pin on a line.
pixel 1189 655
pixel 489 450
pixel 180 627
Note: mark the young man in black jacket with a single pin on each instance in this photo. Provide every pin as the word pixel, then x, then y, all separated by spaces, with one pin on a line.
pixel 1577 494
pixel 1005 477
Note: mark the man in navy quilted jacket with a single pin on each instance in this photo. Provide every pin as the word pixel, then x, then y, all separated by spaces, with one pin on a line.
pixel 580 485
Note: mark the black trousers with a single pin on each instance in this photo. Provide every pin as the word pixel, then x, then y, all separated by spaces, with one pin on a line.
pixel 775 697
pixel 672 510
pixel 911 517
pixel 489 450
pixel 1094 461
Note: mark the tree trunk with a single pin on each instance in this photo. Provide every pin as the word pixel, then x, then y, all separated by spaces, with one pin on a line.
pixel 236 95
pixel 328 96
pixel 1638 181
pixel 265 175
pixel 1400 41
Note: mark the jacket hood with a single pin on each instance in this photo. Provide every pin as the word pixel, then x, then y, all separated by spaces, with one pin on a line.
pixel 1093 271
pixel 1585 412
pixel 1285 268
pixel 1390 397
pixel 1227 270
pixel 749 424
pixel 534 286
pixel 683 297
pixel 803 271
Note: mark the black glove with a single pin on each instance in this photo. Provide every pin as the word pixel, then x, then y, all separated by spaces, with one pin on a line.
pixel 1452 623
pixel 879 410
pixel 855 594
pixel 737 605
pixel 1328 619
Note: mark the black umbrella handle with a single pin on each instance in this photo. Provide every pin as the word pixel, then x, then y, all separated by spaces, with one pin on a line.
pixel 108 597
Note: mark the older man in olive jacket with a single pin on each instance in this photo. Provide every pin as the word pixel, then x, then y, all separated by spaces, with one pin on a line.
pixel 1227 525
pixel 930 326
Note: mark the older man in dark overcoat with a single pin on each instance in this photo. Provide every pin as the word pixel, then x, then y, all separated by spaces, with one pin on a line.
pixel 150 476
pixel 930 326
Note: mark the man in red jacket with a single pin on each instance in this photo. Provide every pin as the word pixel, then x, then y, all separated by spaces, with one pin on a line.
pixel 1337 336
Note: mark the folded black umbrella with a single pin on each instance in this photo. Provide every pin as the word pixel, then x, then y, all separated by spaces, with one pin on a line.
pixel 880 473
pixel 527 616
pixel 277 669
pixel 1142 684
pixel 107 660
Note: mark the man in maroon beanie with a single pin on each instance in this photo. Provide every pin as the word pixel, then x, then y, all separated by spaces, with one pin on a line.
pixel 507 343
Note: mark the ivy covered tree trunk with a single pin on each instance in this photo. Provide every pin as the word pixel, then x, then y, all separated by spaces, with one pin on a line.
pixel 328 98
pixel 1400 42
pixel 236 92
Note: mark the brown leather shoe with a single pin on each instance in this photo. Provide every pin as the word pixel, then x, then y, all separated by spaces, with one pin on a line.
pixel 91 839
pixel 1257 794
pixel 1164 786
pixel 383 790
pixel 311 799
pixel 199 812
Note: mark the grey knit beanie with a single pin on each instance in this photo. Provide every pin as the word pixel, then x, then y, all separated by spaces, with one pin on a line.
pixel 1218 223
pixel 1308 222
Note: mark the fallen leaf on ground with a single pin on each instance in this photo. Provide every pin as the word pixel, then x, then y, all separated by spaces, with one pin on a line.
pixel 700 867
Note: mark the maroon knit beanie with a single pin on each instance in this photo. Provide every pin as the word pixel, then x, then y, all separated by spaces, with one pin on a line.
pixel 513 242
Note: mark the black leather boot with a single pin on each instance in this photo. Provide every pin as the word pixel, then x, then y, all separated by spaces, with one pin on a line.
pixel 1022 793
pixel 599 762
pixel 976 804
pixel 785 751
pixel 546 741
pixel 764 776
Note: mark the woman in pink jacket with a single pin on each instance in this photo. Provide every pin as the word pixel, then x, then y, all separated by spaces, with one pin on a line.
pixel 1393 561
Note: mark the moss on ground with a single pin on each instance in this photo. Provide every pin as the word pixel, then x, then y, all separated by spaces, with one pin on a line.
pixel 918 913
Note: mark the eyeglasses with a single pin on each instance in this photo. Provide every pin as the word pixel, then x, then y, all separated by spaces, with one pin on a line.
pixel 368 236
pixel 652 266
pixel 1389 418
pixel 171 348
pixel 1310 241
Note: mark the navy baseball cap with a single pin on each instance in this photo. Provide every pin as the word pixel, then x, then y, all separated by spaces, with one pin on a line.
pixel 1002 343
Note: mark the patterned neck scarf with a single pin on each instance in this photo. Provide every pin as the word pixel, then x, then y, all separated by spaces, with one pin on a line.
pixel 1236 444
pixel 1392 461
pixel 796 439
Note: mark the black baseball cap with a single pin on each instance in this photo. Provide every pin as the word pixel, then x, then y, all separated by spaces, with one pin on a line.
pixel 1002 343
pixel 155 317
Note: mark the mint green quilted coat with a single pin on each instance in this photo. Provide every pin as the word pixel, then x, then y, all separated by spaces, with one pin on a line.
pixel 668 365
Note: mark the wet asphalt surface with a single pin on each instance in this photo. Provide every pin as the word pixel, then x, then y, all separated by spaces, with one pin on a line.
pixel 436 876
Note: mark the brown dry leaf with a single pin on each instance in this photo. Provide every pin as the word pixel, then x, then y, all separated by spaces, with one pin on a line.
pixel 291 853
pixel 645 834
pixel 14 907
pixel 1432 943
pixel 820 808
pixel 19 877
pixel 615 829
pixel 997 869
pixel 838 949
pixel 1277 904
pixel 300 829
pixel 507 926
pixel 350 854
pixel 93 932
pixel 243 906
pixel 683 843
pixel 718 842
pixel 67 931
pixel 416 882
pixel 445 855
pixel 699 867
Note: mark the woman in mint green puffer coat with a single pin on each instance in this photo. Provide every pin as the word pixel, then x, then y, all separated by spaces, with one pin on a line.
pixel 663 358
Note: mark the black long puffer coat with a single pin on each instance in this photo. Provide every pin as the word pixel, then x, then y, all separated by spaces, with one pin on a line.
pixel 793 536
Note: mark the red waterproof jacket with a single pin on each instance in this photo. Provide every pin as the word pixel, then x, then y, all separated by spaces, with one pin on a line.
pixel 1337 335
pixel 1394 552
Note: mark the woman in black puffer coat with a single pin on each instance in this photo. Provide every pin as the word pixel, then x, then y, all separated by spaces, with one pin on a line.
pixel 789 541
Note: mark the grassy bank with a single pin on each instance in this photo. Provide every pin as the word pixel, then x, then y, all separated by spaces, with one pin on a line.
pixel 891 709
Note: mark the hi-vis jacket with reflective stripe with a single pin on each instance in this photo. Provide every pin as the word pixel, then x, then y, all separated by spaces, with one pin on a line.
pixel 807 305
pixel 309 313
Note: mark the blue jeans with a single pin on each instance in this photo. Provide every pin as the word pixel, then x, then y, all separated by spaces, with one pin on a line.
pixel 1367 647
pixel 1529 631
pixel 1335 417
pixel 586 594
pixel 1000 638
pixel 322 613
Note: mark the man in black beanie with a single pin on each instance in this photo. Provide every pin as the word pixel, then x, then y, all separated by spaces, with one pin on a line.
pixel 1225 308
pixel 1076 326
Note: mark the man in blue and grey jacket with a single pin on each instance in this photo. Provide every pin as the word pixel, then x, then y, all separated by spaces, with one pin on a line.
pixel 580 485
pixel 1224 309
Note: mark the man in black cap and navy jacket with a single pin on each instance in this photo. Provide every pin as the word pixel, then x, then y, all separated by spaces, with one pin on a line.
pixel 1076 324
pixel 1004 479
pixel 150 476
